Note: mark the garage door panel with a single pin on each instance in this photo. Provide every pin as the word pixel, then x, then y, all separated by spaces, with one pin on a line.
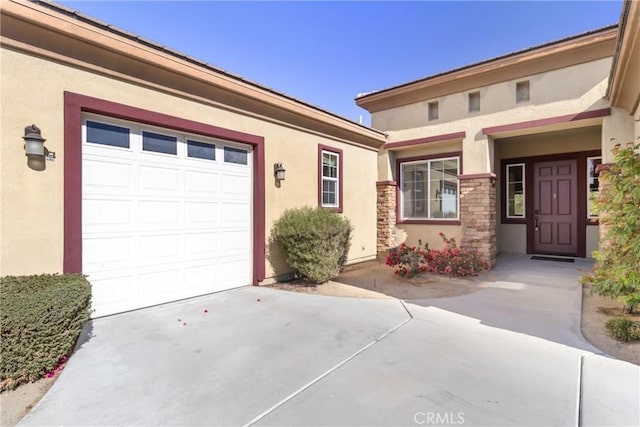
pixel 157 247
pixel 201 244
pixel 235 186
pixel 112 290
pixel 161 227
pixel 159 180
pixel 201 184
pixel 235 213
pixel 234 273
pixel 154 286
pixel 154 212
pixel 100 213
pixel 108 177
pixel 201 214
pixel 235 240
pixel 201 277
pixel 105 253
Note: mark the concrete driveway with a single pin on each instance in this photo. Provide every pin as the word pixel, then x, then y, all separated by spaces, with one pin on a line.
pixel 260 356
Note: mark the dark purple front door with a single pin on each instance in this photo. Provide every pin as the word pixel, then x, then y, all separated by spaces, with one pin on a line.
pixel 555 204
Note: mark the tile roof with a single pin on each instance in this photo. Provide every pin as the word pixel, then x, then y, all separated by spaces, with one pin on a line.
pixel 486 61
pixel 149 43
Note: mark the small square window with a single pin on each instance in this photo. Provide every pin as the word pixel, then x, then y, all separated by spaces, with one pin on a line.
pixel 235 155
pixel 474 102
pixel 522 91
pixel 433 110
pixel 159 143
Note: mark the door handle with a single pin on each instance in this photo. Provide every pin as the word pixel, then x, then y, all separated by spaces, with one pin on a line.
pixel 537 226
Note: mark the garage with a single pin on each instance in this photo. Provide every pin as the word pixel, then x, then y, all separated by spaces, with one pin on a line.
pixel 165 215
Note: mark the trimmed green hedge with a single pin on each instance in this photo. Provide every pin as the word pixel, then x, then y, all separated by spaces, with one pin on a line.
pixel 315 240
pixel 41 319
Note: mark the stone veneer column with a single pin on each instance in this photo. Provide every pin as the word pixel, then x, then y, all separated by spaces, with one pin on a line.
pixel 386 214
pixel 603 187
pixel 478 215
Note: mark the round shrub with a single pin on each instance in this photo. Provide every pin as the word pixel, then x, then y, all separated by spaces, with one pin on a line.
pixel 315 240
pixel 623 329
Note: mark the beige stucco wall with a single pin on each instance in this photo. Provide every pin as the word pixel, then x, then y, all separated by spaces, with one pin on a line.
pixel 555 93
pixel 619 128
pixel 584 139
pixel 593 239
pixel 31 220
pixel 511 238
pixel 411 233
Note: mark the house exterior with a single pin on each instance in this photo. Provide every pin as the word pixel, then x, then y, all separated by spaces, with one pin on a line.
pixel 158 180
pixel 163 184
pixel 503 155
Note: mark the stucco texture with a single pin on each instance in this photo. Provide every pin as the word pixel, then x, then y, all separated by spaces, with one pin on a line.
pixel 32 230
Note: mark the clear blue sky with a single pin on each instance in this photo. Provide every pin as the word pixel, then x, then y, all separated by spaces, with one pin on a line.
pixel 325 53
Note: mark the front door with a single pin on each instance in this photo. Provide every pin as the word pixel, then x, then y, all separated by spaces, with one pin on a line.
pixel 555 207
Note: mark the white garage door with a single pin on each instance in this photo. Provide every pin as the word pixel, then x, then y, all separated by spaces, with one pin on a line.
pixel 165 215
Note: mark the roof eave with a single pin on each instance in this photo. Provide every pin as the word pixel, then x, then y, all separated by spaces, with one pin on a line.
pixel 64 21
pixel 518 60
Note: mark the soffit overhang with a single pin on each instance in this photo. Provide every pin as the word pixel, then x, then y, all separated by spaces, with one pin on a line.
pixel 43 30
pixel 624 81
pixel 550 57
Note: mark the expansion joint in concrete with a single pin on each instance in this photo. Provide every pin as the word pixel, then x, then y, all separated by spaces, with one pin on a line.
pixel 376 340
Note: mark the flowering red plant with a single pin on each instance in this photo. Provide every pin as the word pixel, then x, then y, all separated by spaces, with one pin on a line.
pixel 408 260
pixel 451 260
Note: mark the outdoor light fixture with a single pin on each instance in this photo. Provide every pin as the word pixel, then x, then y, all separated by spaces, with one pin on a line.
pixel 278 171
pixel 33 141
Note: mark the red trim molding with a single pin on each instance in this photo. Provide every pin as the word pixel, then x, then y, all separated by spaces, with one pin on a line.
pixel 548 121
pixel 337 151
pixel 477 176
pixel 75 105
pixel 428 140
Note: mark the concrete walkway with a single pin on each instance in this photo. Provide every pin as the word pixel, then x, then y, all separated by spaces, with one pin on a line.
pixel 533 297
pixel 265 357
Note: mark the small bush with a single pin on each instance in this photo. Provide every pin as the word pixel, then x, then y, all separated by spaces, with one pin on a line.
pixel 316 241
pixel 455 261
pixel 41 318
pixel 452 260
pixel 408 260
pixel 623 329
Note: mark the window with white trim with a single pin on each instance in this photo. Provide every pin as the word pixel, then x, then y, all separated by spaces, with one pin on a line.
pixel 429 189
pixel 330 179
pixel 592 185
pixel 515 191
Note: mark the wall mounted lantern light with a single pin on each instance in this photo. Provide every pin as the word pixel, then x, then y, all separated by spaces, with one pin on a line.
pixel 34 149
pixel 33 141
pixel 278 173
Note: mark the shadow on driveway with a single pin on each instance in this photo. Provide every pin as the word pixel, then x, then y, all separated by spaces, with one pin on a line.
pixel 533 297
